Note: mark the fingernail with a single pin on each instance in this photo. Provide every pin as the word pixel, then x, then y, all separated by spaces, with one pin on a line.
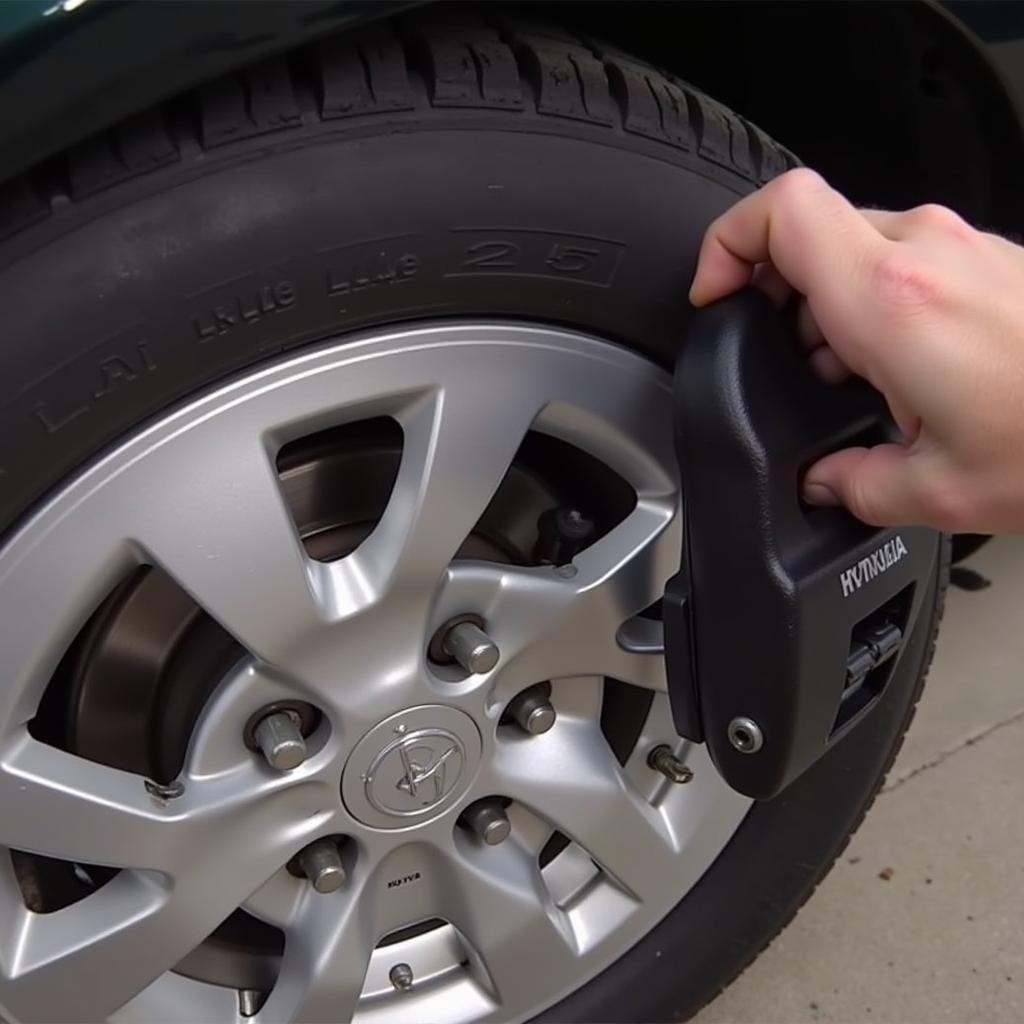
pixel 819 494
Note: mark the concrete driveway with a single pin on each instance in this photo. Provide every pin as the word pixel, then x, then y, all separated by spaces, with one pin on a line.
pixel 922 920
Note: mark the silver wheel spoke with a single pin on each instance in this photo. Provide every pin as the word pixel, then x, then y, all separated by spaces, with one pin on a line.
pixel 329 942
pixel 570 777
pixel 51 963
pixel 326 954
pixel 140 924
pixel 37 632
pixel 550 625
pixel 63 806
pixel 229 540
pixel 458 447
pixel 618 577
pixel 500 904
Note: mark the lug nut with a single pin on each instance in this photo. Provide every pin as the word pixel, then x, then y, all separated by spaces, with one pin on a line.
pixel 662 759
pixel 471 647
pixel 488 820
pixel 533 713
pixel 321 863
pixel 281 740
pixel 401 977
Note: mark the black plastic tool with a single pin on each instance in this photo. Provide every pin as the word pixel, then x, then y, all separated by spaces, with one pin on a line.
pixel 785 622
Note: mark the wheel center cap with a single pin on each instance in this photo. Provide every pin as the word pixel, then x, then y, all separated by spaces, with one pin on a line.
pixel 411 767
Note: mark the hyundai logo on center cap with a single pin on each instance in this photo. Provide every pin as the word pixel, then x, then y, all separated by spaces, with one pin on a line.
pixel 412 766
pixel 415 772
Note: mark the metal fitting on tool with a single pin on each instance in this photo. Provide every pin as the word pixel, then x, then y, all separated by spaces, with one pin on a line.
pixel 745 735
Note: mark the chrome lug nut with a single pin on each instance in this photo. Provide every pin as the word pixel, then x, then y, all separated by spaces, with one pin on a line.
pixel 281 740
pixel 471 647
pixel 321 863
pixel 532 713
pixel 663 759
pixel 487 818
pixel 401 977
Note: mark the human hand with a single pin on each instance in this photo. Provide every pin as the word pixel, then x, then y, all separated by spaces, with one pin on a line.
pixel 922 305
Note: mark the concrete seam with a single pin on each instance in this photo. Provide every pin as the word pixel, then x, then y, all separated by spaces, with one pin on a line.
pixel 944 755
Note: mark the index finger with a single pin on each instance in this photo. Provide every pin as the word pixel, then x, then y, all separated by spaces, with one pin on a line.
pixel 808 231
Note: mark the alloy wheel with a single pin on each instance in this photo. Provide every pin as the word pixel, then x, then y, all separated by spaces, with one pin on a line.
pixel 482 867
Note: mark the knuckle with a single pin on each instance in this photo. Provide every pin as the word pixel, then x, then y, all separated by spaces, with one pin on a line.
pixel 942 218
pixel 947 505
pixel 797 183
pixel 905 284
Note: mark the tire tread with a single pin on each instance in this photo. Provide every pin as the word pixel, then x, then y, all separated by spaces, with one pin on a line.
pixel 522 66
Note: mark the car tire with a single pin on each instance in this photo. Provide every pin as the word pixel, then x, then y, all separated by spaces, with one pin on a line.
pixel 422 168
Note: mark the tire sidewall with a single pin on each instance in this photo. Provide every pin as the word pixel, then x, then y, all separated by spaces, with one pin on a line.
pixel 134 307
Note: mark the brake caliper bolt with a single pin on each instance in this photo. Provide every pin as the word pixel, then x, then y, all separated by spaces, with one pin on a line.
pixel 533 713
pixel 471 647
pixel 561 534
pixel 663 759
pixel 401 977
pixel 745 735
pixel 321 863
pixel 487 818
pixel 281 740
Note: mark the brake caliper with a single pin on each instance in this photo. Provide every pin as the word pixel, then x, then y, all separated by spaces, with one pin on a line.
pixel 785 622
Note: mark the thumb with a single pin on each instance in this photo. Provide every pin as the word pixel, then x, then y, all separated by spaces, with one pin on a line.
pixel 878 485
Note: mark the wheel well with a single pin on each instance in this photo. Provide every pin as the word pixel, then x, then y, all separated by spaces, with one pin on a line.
pixel 895 103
